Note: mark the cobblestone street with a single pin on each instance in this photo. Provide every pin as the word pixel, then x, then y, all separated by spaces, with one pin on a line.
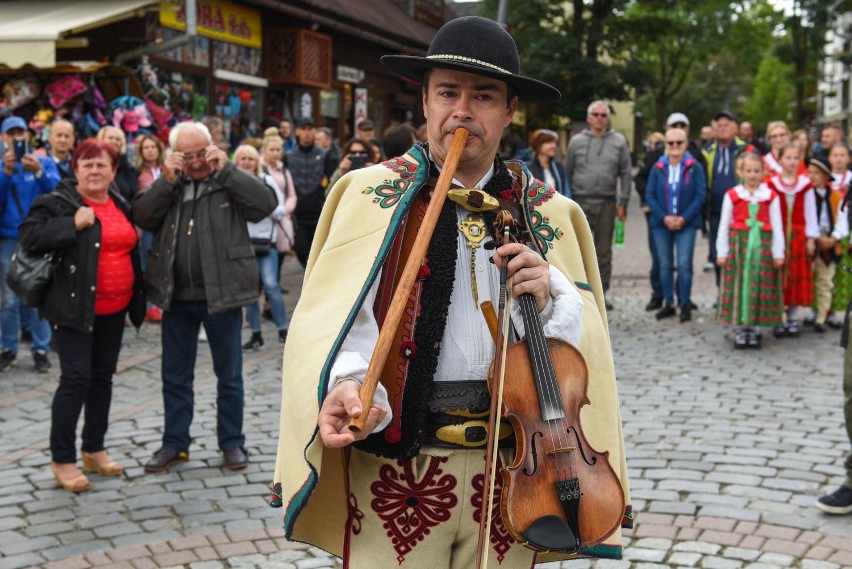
pixel 727 452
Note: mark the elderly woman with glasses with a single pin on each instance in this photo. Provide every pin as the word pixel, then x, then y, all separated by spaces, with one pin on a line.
pixel 544 165
pixel 675 195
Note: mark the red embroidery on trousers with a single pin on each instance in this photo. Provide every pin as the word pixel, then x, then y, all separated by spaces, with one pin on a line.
pixel 500 539
pixel 410 508
pixel 353 523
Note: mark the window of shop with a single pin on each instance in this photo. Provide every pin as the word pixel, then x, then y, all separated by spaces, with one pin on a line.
pixel 330 109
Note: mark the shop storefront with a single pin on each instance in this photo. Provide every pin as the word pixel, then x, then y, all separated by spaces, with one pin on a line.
pixel 219 72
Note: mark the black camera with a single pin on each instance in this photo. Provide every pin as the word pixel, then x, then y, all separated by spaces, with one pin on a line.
pixel 358 159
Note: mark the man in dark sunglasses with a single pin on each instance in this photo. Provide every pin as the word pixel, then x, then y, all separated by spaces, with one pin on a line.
pixel 597 159
pixel 675 120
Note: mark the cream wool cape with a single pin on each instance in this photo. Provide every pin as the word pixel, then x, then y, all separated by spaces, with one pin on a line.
pixel 355 231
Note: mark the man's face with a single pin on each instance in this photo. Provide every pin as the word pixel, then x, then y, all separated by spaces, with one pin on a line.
pixel 61 137
pixel 321 140
pixel 746 131
pixel 598 118
pixel 725 129
pixel 10 135
pixel 366 133
pixel 284 128
pixel 306 134
pixel 829 137
pixel 706 133
pixel 193 144
pixel 454 99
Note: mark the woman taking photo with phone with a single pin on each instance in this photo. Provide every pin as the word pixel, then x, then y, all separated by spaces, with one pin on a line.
pixel 357 154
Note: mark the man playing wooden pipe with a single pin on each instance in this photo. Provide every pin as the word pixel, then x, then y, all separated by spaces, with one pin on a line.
pixel 404 491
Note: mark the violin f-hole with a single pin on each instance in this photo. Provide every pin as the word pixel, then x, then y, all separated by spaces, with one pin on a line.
pixel 534 453
pixel 572 431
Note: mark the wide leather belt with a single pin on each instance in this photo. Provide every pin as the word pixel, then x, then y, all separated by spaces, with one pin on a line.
pixel 458 416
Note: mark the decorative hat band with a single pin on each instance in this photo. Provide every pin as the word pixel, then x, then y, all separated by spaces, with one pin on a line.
pixel 470 60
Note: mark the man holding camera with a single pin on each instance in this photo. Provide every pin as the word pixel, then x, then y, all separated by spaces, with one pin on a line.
pixel 23 178
pixel 201 270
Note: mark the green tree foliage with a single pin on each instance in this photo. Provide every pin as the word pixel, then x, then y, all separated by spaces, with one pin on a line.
pixel 772 97
pixel 804 47
pixel 571 45
pixel 696 56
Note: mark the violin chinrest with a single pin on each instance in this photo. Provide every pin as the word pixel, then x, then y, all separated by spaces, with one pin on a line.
pixel 551 533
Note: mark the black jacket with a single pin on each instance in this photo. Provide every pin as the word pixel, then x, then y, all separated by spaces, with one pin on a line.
pixel 49 226
pixel 311 168
pixel 126 179
pixel 228 263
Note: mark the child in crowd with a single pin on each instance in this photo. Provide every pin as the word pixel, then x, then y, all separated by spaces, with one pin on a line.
pixel 750 250
pixel 839 157
pixel 833 226
pixel 798 213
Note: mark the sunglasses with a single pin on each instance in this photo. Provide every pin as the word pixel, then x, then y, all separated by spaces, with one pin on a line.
pixel 599 115
pixel 674 142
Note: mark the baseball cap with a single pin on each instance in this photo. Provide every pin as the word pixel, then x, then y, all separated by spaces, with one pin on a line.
pixel 366 124
pixel 12 122
pixel 304 121
pixel 727 115
pixel 675 118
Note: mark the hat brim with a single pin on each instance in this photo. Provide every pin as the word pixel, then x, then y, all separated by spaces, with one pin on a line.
pixel 528 89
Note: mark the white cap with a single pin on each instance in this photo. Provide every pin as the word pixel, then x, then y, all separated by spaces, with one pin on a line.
pixel 675 118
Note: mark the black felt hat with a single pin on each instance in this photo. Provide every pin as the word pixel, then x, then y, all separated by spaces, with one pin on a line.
pixel 474 45
pixel 820 162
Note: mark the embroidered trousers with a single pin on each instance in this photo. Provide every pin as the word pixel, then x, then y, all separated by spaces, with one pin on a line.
pixel 823 287
pixel 423 513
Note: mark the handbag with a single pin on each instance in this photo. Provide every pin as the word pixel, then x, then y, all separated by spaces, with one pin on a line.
pixel 30 275
pixel 284 234
pixel 261 246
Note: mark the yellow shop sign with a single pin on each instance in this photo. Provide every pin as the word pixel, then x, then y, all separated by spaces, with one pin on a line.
pixel 219 20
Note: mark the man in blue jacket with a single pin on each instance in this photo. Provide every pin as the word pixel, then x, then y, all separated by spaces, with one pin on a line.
pixel 21 181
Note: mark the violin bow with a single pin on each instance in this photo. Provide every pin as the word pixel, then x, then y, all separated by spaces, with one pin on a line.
pixel 406 280
pixel 492 448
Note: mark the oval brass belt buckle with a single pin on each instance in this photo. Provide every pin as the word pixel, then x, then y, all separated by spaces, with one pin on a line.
pixel 458 434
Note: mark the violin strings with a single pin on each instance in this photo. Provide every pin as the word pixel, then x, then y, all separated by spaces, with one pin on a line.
pixel 543 368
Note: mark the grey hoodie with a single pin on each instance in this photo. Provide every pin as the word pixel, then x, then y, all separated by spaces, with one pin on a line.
pixel 595 163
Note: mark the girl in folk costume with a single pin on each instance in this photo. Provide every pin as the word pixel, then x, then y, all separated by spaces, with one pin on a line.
pixel 833 226
pixel 778 135
pixel 839 158
pixel 750 250
pixel 798 212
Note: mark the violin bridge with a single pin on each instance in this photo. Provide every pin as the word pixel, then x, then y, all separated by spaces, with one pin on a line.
pixel 561 450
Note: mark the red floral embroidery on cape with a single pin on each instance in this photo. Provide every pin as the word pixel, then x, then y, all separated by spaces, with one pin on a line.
pixel 500 539
pixel 410 508
pixel 406 169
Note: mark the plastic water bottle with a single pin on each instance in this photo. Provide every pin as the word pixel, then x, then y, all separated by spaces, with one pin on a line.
pixel 619 233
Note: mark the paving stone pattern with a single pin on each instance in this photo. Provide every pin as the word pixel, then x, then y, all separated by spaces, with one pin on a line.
pixel 727 452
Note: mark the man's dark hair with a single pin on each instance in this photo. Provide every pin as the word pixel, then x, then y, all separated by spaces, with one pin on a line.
pixel 511 93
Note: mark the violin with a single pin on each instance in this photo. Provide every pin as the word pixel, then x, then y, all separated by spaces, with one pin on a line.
pixel 559 493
